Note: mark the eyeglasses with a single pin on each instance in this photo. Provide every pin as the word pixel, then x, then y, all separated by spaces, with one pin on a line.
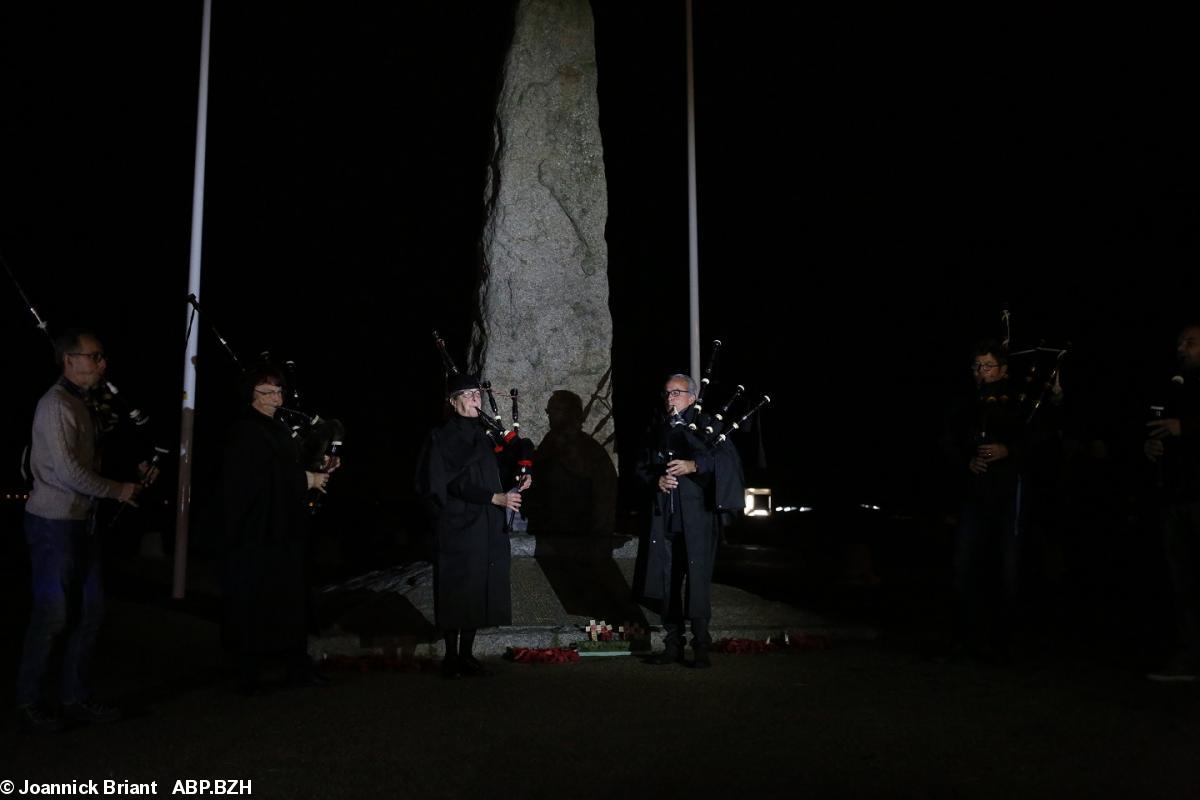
pixel 96 357
pixel 269 392
pixel 675 392
pixel 977 366
pixel 470 393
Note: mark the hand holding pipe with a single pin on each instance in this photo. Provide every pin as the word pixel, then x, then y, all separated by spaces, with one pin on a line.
pixel 147 478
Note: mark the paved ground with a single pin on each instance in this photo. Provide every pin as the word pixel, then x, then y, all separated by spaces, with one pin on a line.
pixel 1072 716
pixel 863 719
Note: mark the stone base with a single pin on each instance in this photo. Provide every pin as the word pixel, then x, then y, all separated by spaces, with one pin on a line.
pixel 390 612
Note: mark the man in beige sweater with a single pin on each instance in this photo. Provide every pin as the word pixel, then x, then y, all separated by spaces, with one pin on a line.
pixel 63 548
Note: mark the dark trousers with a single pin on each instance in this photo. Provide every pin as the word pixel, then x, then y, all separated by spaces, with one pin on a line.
pixel 675 612
pixel 987 570
pixel 1181 528
pixel 68 597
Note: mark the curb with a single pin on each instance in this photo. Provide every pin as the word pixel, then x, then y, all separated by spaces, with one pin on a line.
pixel 496 641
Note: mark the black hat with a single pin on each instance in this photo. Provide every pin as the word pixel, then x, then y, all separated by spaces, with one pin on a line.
pixel 462 382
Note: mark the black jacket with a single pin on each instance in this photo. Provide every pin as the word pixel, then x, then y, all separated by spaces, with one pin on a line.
pixel 457 476
pixel 718 484
pixel 263 495
pixel 988 416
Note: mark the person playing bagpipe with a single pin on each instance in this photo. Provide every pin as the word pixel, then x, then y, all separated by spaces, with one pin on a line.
pixel 459 477
pixel 693 479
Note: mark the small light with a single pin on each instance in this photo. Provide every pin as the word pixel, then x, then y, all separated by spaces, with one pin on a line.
pixel 758 502
pixel 868 507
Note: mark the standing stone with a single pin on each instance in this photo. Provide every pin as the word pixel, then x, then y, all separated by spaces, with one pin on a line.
pixel 544 299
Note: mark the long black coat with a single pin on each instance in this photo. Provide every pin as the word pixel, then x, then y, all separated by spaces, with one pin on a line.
pixel 263 494
pixel 700 496
pixel 457 475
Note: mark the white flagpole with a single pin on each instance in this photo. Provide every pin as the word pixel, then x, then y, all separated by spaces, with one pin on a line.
pixel 187 419
pixel 693 238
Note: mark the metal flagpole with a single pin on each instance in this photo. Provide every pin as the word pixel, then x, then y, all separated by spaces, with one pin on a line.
pixel 187 419
pixel 693 239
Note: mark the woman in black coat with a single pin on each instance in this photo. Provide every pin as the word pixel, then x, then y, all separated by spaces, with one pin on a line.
pixel 459 478
pixel 265 509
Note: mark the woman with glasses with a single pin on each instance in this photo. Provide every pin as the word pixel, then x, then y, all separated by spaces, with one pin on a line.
pixel 264 502
pixel 460 480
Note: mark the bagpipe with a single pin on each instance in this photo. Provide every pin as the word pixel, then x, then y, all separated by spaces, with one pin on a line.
pixel 110 409
pixel 1033 372
pixel 706 431
pixel 514 453
pixel 318 439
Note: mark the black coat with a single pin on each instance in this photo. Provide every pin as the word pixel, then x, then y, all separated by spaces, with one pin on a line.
pixel 457 475
pixel 990 414
pixel 263 494
pixel 699 497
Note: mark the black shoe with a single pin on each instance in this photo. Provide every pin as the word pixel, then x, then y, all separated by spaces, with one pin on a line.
pixel 700 659
pixel 91 712
pixel 32 718
pixel 472 668
pixel 671 654
pixel 451 667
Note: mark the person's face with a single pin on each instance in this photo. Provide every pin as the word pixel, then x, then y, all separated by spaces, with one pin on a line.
pixel 1188 348
pixel 468 403
pixel 988 369
pixel 268 397
pixel 677 397
pixel 85 365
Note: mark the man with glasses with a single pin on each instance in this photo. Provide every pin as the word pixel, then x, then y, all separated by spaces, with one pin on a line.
pixel 692 483
pixel 63 547
pixel 984 442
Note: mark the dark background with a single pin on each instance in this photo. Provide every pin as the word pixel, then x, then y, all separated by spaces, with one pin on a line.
pixel 873 187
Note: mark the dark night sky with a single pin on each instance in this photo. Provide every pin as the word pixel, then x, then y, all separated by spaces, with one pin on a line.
pixel 872 189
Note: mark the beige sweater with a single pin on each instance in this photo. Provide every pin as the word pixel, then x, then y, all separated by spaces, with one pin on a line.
pixel 64 460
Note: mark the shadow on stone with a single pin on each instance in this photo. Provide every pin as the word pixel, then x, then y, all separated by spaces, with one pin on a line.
pixel 593 588
pixel 575 489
